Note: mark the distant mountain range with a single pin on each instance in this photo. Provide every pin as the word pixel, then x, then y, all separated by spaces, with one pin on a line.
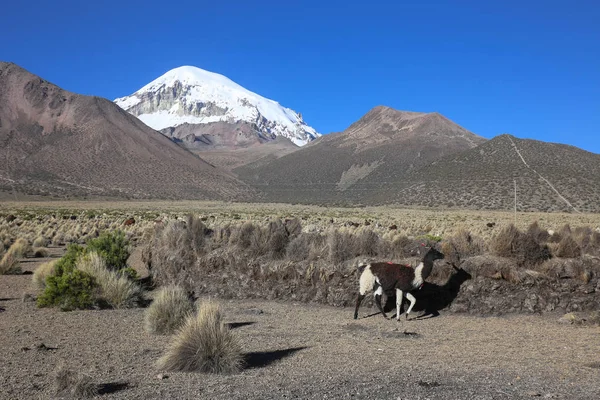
pixel 203 109
pixel 58 143
pixel 366 163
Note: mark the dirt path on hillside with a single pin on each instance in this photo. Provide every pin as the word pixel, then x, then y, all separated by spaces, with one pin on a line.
pixel 303 351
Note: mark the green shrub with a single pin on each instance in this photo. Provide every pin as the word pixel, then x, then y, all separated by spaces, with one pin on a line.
pixel 115 288
pixel 74 289
pixel 67 262
pixel 113 247
pixel 68 287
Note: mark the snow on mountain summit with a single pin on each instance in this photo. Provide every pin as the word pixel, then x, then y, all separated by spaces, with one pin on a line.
pixel 192 95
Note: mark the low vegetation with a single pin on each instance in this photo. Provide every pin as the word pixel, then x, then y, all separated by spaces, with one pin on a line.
pixel 170 308
pixel 116 288
pixel 83 278
pixel 71 383
pixel 203 344
pixel 42 272
pixel 9 264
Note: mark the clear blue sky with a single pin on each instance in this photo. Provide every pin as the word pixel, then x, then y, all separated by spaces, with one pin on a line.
pixel 529 68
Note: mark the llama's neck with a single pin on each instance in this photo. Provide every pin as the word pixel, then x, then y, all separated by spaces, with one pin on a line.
pixel 422 271
pixel 418 279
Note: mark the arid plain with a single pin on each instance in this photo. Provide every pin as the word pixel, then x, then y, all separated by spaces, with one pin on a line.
pixel 294 345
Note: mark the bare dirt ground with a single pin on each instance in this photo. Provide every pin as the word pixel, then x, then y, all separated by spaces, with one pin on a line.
pixel 301 351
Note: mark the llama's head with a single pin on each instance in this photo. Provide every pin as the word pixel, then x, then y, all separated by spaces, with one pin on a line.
pixel 433 254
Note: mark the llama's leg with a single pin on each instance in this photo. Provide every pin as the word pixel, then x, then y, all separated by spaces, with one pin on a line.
pixel 359 299
pixel 378 294
pixel 399 296
pixel 412 300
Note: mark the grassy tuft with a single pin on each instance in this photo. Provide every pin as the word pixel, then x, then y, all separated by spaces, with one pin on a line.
pixel 10 261
pixel 203 344
pixel 168 311
pixel 42 272
pixel 116 288
pixel 68 382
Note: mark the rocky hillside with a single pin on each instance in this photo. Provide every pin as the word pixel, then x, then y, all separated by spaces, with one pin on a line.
pixel 548 176
pixel 367 163
pixel 54 142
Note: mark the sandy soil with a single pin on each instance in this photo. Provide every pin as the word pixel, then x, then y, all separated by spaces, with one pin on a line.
pixel 302 351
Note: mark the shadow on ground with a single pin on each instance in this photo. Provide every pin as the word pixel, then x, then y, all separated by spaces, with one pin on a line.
pixel 233 325
pixel 112 387
pixel 262 359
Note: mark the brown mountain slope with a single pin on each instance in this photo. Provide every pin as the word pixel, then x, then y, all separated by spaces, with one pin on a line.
pixel 384 146
pixel 60 143
pixel 549 177
pixel 229 145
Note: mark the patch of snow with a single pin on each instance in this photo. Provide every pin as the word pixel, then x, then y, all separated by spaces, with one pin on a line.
pixel 201 88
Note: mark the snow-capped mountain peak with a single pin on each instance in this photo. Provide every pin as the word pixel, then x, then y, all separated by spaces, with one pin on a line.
pixel 192 95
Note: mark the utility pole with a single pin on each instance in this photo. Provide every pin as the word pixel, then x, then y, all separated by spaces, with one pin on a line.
pixel 515 182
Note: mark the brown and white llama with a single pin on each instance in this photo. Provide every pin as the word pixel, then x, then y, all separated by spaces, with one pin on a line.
pixel 383 277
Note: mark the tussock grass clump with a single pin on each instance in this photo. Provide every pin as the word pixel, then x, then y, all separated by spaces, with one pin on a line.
pixel 10 261
pixel 305 246
pixel 203 344
pixel 568 248
pixel 41 241
pixel 169 310
pixel 68 382
pixel 41 273
pixel 116 288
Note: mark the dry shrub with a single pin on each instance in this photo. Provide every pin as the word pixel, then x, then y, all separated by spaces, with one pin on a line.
pixel 341 246
pixel 293 227
pixel 70 382
pixel 196 232
pixel 565 230
pixel 493 267
pixel 41 273
pixel 221 236
pixel 203 344
pixel 462 245
pixel 271 240
pixel 367 243
pixel 118 290
pixel 539 234
pixel 571 268
pixel 298 249
pixel 582 235
pixel 168 311
pixel 400 247
pixel 10 261
pixel 568 248
pixel 242 236
pixel 169 255
pixel 512 243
